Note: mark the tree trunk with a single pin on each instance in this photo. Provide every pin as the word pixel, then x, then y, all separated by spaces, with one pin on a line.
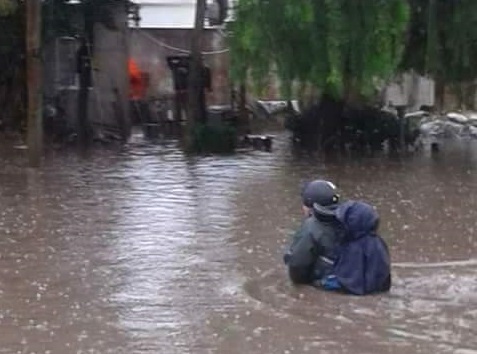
pixel 34 82
pixel 459 93
pixel 196 81
pixel 470 96
pixel 413 97
pixel 440 95
pixel 349 91
pixel 401 111
pixel 85 76
pixel 83 104
pixel 243 105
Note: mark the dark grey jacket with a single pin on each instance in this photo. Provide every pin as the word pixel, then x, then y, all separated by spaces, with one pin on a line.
pixel 312 252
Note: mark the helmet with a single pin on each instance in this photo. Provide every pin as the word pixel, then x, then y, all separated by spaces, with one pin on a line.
pixel 323 193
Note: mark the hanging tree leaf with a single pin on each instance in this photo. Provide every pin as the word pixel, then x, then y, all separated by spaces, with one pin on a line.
pixel 7 7
pixel 335 45
pixel 443 39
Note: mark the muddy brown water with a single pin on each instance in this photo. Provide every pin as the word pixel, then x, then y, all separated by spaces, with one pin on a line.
pixel 144 250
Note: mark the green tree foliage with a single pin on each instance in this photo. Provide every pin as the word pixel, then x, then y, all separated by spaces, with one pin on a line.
pixel 11 20
pixel 7 7
pixel 335 45
pixel 443 39
pixel 12 54
pixel 11 25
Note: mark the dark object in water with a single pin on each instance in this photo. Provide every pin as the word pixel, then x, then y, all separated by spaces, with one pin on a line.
pixel 435 147
pixel 258 142
pixel 151 130
pixel 214 138
pixel 334 124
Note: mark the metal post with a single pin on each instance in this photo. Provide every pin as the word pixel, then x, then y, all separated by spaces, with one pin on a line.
pixel 401 111
pixel 34 82
pixel 196 82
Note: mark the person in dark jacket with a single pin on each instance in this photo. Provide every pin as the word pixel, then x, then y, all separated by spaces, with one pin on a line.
pixel 362 264
pixel 311 255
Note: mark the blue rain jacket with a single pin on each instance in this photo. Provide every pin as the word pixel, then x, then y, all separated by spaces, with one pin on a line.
pixel 363 263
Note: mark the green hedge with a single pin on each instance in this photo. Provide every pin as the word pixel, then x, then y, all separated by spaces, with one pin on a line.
pixel 214 139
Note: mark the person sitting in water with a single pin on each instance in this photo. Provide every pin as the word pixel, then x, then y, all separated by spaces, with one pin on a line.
pixel 311 254
pixel 362 265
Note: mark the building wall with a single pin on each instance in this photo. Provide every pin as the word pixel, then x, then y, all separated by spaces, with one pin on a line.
pixel 411 90
pixel 108 99
pixel 167 13
pixel 151 47
pixel 111 82
pixel 178 14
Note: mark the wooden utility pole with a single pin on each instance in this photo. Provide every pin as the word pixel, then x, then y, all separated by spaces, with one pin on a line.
pixel 84 56
pixel 401 112
pixel 196 111
pixel 84 66
pixel 243 105
pixel 34 82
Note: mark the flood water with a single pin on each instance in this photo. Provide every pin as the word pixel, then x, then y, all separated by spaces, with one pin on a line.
pixel 144 250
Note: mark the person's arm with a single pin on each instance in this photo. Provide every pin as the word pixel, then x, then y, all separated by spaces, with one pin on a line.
pixel 388 282
pixel 294 240
pixel 301 257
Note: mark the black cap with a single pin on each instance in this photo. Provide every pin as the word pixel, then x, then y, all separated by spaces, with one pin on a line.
pixel 320 192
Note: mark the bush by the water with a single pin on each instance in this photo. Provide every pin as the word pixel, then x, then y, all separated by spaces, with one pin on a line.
pixel 334 124
pixel 214 138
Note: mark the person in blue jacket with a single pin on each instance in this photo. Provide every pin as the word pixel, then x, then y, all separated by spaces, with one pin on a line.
pixel 311 254
pixel 362 265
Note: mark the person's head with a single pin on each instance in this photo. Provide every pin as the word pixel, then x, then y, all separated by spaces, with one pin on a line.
pixel 358 218
pixel 319 194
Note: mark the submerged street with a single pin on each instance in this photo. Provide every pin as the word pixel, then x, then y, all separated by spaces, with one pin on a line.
pixel 145 250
